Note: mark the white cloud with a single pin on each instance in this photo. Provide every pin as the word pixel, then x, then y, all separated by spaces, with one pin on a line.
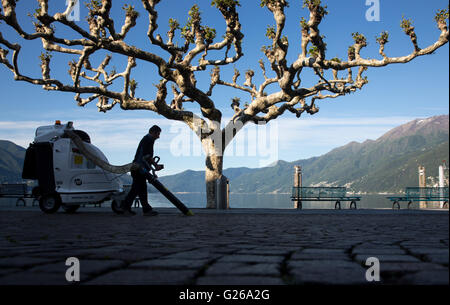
pixel 295 139
pixel 331 130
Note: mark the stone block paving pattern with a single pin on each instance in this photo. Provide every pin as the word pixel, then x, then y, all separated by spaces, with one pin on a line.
pixel 235 247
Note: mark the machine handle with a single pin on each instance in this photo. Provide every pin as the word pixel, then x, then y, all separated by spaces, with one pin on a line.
pixel 156 160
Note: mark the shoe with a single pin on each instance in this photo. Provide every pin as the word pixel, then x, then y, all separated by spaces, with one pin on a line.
pixel 150 213
pixel 129 213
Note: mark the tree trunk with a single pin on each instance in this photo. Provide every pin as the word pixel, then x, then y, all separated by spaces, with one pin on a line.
pixel 213 171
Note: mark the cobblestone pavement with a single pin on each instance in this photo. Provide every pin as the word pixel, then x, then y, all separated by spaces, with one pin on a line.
pixel 256 247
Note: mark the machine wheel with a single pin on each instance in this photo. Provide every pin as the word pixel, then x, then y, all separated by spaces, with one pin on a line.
pixel 70 209
pixel 49 203
pixel 115 206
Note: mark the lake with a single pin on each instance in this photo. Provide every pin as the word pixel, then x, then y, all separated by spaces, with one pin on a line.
pixel 274 201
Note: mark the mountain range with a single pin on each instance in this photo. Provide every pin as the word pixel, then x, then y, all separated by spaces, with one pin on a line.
pixel 11 162
pixel 387 164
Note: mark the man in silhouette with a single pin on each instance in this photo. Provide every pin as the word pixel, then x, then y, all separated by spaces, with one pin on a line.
pixel 144 158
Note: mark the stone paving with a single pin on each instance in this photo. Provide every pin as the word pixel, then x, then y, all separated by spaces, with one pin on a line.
pixel 235 247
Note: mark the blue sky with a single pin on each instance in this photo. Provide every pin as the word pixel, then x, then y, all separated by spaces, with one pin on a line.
pixel 395 94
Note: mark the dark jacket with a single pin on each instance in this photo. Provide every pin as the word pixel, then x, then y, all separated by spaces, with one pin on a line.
pixel 145 148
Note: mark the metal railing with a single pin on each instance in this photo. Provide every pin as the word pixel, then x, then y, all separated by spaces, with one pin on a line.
pixel 426 192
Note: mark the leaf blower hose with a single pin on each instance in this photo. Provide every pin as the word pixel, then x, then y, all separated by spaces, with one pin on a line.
pixel 150 175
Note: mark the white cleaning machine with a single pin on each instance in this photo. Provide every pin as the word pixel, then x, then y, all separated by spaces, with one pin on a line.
pixel 65 176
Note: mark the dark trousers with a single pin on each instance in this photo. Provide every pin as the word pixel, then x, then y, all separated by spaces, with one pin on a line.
pixel 138 188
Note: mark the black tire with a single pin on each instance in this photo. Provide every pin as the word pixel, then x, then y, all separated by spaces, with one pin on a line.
pixel 49 203
pixel 70 209
pixel 115 206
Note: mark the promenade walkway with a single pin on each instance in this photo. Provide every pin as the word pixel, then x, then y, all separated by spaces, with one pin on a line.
pixel 249 247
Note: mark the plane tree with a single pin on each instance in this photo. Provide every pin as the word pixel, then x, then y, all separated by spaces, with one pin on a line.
pixel 179 64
